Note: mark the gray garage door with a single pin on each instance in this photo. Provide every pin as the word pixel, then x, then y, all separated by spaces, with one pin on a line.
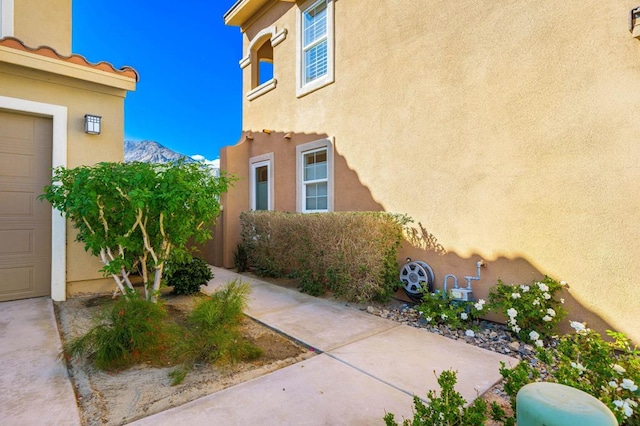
pixel 25 222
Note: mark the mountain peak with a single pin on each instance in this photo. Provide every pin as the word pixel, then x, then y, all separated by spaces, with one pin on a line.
pixel 150 152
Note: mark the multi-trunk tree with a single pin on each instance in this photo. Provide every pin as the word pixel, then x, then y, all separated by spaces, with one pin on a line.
pixel 136 216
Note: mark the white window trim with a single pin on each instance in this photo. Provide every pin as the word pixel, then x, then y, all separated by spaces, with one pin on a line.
pixel 306 148
pixel 58 114
pixel 6 18
pixel 255 162
pixel 302 88
pixel 275 37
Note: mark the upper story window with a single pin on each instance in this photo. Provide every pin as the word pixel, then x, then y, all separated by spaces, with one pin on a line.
pixel 315 46
pixel 6 18
pixel 259 59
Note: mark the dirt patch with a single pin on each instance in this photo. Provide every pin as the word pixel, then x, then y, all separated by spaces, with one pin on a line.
pixel 118 398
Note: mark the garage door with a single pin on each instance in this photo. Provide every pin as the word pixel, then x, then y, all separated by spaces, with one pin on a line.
pixel 25 222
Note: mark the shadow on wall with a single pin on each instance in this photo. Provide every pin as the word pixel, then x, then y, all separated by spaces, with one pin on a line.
pixel 424 246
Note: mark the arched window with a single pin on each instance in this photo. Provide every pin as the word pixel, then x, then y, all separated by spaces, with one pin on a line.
pixel 260 58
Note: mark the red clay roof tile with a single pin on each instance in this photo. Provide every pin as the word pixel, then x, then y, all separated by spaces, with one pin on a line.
pixel 49 52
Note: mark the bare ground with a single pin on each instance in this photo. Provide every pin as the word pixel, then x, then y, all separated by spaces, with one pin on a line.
pixel 118 398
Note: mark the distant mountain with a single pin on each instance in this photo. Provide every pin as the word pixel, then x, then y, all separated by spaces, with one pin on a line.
pixel 150 152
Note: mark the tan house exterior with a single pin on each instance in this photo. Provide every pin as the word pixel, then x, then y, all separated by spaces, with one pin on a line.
pixel 45 92
pixel 509 130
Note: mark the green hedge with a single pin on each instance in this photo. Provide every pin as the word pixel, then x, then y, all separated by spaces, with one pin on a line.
pixel 352 254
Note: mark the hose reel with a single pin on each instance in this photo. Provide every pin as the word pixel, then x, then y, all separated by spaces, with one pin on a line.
pixel 417 278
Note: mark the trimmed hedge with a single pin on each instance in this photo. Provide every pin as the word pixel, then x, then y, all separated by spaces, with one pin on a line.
pixel 352 254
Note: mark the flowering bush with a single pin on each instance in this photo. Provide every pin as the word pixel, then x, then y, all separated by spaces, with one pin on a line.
pixel 439 308
pixel 533 312
pixel 610 371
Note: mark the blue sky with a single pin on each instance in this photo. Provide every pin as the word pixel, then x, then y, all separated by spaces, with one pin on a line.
pixel 189 97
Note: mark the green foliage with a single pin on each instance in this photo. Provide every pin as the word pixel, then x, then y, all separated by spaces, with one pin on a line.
pixel 135 216
pixel 213 330
pixel 240 258
pixel 610 371
pixel 447 408
pixel 187 277
pixel 533 312
pixel 352 254
pixel 440 308
pixel 131 328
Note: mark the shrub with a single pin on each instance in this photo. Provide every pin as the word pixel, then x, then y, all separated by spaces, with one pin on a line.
pixel 610 371
pixel 353 254
pixel 439 308
pixel 448 408
pixel 187 277
pixel 130 329
pixel 213 331
pixel 533 312
pixel 240 259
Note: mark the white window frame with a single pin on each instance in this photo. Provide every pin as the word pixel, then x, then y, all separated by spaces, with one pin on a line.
pixel 301 151
pixel 254 163
pixel 302 87
pixel 6 18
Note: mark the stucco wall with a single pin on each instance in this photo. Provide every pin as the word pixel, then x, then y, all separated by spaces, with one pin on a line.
pixel 509 130
pixel 80 98
pixel 38 22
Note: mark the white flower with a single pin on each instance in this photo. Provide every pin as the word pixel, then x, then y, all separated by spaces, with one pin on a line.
pixel 464 316
pixel 546 296
pixel 428 319
pixel 613 384
pixel 539 343
pixel 618 403
pixel 628 384
pixel 481 301
pixel 525 288
pixel 551 312
pixel 515 295
pixel 561 300
pixel 534 336
pixel 631 402
pixel 578 366
pixel 512 312
pixel 420 312
pixel 469 333
pixel 618 369
pixel 443 316
pixel 516 329
pixel 546 318
pixel 628 411
pixel 479 304
pixel 563 283
pixel 536 302
pixel 543 287
pixel 577 326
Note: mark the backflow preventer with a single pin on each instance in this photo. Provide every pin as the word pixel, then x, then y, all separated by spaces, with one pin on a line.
pixel 417 278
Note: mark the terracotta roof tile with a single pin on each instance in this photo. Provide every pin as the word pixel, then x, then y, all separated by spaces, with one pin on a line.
pixel 49 52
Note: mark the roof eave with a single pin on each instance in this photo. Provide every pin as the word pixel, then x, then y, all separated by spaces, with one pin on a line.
pixel 243 10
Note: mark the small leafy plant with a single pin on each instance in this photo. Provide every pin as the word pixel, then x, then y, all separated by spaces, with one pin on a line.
pixel 447 408
pixel 533 312
pixel 439 308
pixel 187 277
pixel 610 371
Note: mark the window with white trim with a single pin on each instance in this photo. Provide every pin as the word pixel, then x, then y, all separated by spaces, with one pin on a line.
pixel 261 182
pixel 315 171
pixel 315 45
pixel 6 18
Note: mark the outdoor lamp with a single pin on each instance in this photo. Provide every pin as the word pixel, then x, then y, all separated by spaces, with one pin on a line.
pixel 92 124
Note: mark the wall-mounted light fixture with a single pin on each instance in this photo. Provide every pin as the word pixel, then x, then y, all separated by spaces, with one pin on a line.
pixel 92 124
pixel 634 22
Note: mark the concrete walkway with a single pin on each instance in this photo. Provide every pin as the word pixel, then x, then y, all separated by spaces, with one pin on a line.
pixel 365 366
pixel 34 386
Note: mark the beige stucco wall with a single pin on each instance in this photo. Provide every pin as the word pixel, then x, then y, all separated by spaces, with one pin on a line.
pixel 509 130
pixel 38 23
pixel 80 97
